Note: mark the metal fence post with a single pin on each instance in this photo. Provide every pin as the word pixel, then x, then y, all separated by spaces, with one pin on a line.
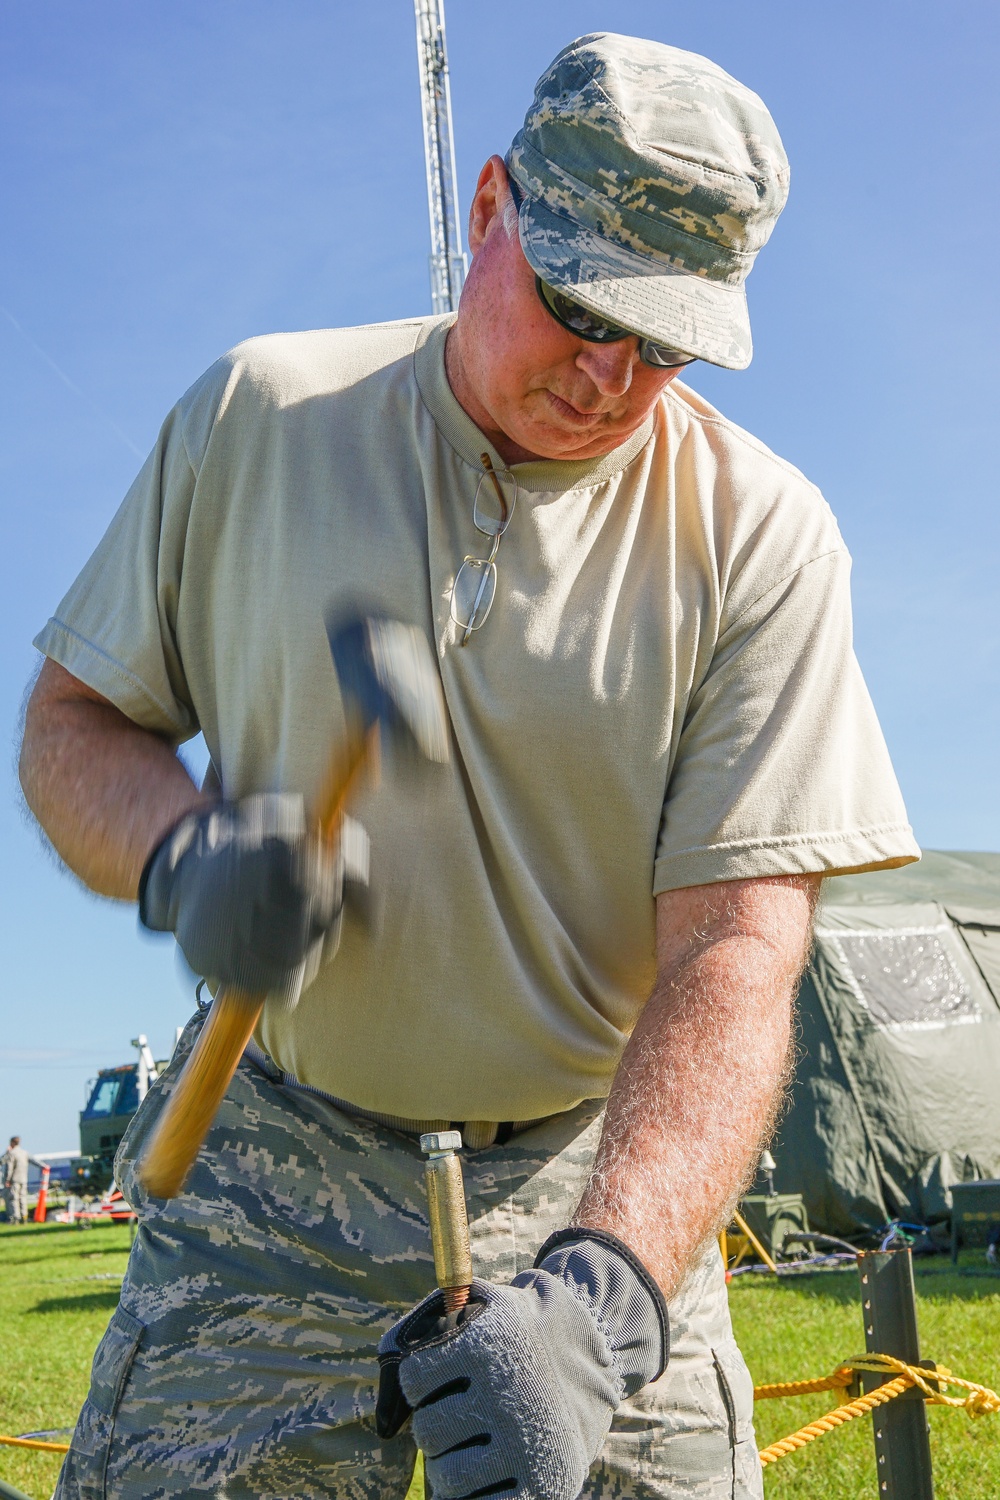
pixel 902 1442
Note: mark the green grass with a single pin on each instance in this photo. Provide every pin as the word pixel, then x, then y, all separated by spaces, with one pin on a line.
pixel 60 1287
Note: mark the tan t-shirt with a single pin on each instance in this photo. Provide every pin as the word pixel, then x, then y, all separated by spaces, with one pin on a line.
pixel 664 695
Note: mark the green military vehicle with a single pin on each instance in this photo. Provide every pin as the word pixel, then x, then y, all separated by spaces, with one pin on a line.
pixel 114 1096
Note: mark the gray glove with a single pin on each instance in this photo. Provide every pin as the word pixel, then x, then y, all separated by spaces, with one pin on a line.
pixel 514 1395
pixel 252 897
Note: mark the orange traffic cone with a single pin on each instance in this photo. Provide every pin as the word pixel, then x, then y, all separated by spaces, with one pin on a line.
pixel 43 1193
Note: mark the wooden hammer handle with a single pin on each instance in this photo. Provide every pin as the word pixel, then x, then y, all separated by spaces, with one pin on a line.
pixel 349 767
pixel 188 1113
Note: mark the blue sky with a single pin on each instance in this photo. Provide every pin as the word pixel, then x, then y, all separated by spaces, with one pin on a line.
pixel 178 177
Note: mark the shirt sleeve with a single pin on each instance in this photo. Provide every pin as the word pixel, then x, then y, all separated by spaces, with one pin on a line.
pixel 782 768
pixel 116 628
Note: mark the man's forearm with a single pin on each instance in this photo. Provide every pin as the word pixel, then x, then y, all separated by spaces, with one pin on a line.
pixel 104 790
pixel 701 1077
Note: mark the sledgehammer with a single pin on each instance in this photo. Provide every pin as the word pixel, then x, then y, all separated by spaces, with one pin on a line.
pixel 390 688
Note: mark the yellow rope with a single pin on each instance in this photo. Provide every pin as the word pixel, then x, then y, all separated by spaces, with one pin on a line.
pixel 979 1402
pixel 833 1419
pixel 35 1443
pixel 840 1377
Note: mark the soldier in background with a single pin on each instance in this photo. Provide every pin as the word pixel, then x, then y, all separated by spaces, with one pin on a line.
pixel 15 1180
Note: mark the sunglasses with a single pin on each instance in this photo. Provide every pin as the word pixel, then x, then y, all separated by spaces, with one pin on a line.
pixel 597 330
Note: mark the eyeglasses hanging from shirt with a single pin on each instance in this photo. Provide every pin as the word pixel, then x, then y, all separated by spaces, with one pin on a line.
pixel 475 583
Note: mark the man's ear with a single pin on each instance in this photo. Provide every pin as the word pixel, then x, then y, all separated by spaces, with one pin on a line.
pixel 487 201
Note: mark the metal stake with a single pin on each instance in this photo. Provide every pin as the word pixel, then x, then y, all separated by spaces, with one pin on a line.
pixel 448 1216
pixel 902 1441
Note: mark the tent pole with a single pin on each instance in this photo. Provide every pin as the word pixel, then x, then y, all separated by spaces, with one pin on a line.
pixel 744 1228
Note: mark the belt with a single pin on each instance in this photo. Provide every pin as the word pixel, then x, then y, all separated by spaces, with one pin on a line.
pixel 476 1134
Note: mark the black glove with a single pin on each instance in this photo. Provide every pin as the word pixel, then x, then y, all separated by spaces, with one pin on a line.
pixel 514 1395
pixel 250 894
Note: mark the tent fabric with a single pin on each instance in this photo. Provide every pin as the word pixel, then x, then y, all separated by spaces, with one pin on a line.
pixel 894 1097
pixel 981 933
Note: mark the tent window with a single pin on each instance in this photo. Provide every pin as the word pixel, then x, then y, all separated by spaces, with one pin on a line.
pixel 908 981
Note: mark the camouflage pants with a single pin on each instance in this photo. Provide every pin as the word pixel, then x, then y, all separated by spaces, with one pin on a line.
pixel 16 1198
pixel 241 1360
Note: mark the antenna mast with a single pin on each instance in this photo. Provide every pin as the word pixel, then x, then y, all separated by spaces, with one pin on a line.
pixel 447 259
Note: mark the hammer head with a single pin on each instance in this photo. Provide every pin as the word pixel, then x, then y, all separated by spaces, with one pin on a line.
pixel 388 677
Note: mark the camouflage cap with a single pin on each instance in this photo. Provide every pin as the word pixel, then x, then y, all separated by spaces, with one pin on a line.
pixel 650 179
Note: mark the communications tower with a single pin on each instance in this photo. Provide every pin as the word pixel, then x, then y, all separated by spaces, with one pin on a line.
pixel 447 259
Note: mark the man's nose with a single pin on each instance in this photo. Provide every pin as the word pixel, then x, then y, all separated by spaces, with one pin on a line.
pixel 609 366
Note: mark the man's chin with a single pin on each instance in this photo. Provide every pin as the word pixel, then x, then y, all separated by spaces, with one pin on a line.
pixel 549 442
pixel 549 437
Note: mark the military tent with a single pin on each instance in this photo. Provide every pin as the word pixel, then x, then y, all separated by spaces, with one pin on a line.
pixel 896 1088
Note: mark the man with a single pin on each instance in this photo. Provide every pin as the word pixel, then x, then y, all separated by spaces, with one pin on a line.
pixel 661 743
pixel 14 1165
